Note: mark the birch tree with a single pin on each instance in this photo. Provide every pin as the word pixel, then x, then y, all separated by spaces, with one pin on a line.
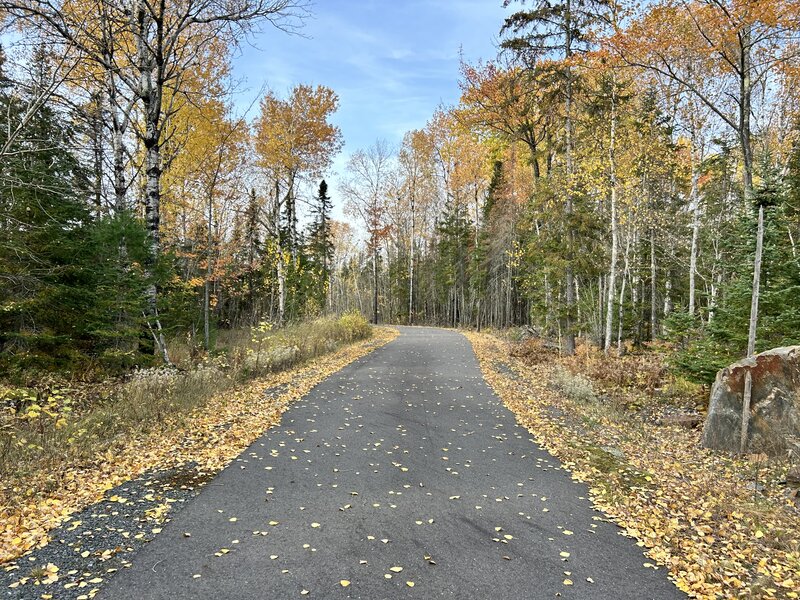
pixel 366 187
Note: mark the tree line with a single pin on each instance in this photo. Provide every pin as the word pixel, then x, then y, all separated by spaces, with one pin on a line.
pixel 610 176
pixel 601 179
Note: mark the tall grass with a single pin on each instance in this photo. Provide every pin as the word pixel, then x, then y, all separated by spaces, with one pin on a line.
pixel 47 428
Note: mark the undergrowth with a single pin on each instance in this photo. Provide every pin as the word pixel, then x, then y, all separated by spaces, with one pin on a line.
pixel 52 423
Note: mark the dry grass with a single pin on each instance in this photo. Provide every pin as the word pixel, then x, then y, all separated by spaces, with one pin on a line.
pixel 50 425
pixel 577 387
pixel 645 370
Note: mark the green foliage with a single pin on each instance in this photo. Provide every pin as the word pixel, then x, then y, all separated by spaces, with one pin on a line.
pixel 702 357
pixel 73 284
pixel 701 352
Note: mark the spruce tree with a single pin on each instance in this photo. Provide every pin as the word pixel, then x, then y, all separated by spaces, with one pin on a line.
pixel 319 242
pixel 63 284
pixel 725 339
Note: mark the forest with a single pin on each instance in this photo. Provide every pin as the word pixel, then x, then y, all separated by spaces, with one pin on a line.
pixel 609 178
pixel 202 280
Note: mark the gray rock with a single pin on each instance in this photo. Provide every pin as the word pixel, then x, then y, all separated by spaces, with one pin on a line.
pixel 774 405
pixel 793 476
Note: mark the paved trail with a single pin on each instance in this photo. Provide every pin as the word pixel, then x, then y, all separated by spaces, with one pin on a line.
pixel 403 459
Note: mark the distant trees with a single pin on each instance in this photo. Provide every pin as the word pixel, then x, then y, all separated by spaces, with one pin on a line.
pixel 293 140
pixel 602 181
pixel 366 191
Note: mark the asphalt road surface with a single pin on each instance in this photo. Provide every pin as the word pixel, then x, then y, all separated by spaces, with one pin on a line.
pixel 400 476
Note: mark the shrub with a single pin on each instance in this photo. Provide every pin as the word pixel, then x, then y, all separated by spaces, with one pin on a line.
pixel 355 326
pixel 574 387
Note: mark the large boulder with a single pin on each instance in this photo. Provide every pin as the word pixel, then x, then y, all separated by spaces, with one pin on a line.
pixel 774 405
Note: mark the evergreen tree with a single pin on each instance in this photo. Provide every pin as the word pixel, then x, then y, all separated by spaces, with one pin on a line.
pixel 724 340
pixel 319 242
pixel 62 281
pixel 453 248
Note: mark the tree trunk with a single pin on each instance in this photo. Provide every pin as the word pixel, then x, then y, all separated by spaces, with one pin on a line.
pixel 120 186
pixel 152 221
pixel 96 116
pixel 281 287
pixel 411 267
pixel 745 109
pixel 694 202
pixel 751 336
pixel 207 283
pixel 667 297
pixel 375 286
pixel 149 92
pixel 612 275
pixel 569 275
pixel 625 276
pixel 653 286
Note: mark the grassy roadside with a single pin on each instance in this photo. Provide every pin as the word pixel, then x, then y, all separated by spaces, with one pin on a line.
pixel 60 461
pixel 693 509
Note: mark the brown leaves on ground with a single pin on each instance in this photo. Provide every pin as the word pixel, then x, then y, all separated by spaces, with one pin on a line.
pixel 210 437
pixel 690 507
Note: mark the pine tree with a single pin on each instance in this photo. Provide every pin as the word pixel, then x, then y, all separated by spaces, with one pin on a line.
pixel 62 281
pixel 453 248
pixel 725 340
pixel 319 241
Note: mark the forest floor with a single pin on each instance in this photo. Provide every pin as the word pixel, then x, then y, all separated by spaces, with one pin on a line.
pixel 176 452
pixel 723 526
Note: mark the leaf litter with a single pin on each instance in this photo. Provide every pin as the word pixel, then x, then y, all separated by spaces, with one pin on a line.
pixel 688 507
pixel 189 450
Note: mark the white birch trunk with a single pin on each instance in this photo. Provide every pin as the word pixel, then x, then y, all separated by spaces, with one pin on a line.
pixel 751 337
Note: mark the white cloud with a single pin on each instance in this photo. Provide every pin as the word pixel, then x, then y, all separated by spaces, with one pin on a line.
pixel 391 62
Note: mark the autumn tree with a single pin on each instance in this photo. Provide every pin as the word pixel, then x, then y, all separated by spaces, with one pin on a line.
pixel 416 194
pixel 546 38
pixel 294 140
pixel 744 42
pixel 511 102
pixel 208 144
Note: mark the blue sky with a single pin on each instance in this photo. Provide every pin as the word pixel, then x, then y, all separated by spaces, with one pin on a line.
pixel 391 62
